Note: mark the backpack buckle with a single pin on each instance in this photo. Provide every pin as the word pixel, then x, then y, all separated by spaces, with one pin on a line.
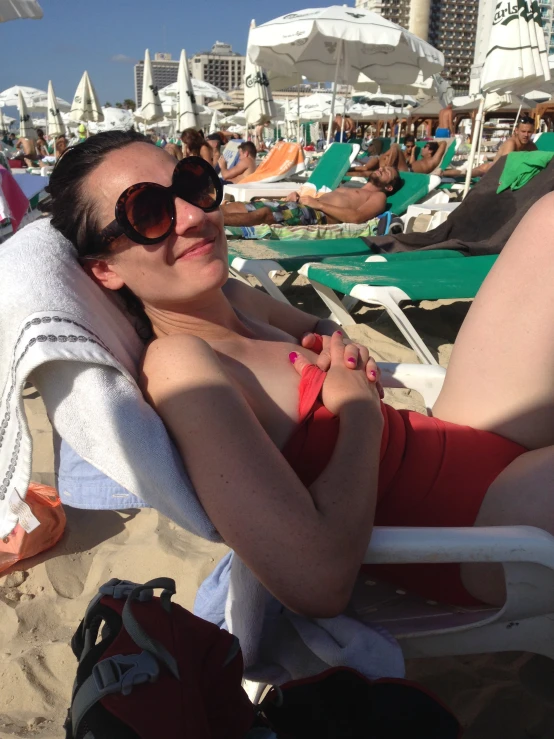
pixel 118 674
pixel 121 589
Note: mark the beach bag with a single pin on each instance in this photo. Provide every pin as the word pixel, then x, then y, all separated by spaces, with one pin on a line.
pixel 42 524
pixel 340 703
pixel 156 671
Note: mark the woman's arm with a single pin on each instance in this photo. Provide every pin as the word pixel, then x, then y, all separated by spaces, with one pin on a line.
pixel 304 545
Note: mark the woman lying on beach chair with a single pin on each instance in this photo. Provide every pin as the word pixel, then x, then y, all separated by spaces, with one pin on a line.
pixel 291 451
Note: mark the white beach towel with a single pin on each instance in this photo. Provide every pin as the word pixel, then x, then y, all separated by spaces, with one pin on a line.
pixel 81 351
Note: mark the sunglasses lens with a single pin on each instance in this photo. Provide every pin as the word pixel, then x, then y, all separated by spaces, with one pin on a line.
pixel 148 211
pixel 195 182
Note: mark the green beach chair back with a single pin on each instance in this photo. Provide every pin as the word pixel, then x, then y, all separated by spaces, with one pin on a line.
pixel 332 166
pixel 545 142
pixel 415 187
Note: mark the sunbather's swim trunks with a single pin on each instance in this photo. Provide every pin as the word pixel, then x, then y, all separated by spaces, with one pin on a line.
pixel 431 473
pixel 290 214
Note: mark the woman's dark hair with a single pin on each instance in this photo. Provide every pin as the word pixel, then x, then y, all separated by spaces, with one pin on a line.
pixel 72 211
pixel 193 139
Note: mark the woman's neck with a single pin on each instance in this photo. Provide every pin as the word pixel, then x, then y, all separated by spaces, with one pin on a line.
pixel 211 317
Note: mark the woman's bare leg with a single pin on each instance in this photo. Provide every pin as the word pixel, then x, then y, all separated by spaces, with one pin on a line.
pixel 501 374
pixel 501 379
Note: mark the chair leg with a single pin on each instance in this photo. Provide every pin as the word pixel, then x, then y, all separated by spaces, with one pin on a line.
pixel 260 269
pixel 390 298
pixel 332 301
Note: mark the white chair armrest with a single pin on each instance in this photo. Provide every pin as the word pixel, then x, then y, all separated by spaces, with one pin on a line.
pixel 402 545
pixel 426 379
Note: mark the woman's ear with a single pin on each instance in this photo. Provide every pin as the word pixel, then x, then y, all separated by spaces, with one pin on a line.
pixel 102 273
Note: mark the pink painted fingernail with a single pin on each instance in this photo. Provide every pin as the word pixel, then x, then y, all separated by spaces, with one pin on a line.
pixel 373 373
pixel 351 360
pixel 339 333
pixel 293 356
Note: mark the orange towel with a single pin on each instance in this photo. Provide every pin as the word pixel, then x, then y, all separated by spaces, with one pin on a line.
pixel 283 159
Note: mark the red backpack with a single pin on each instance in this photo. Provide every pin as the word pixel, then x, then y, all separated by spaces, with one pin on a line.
pixel 157 671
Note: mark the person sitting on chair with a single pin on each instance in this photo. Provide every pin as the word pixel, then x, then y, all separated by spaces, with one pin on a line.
pixel 246 164
pixel 405 161
pixel 296 488
pixel 520 141
pixel 343 205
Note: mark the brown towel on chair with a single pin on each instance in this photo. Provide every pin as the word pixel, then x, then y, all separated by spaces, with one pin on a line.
pixel 482 224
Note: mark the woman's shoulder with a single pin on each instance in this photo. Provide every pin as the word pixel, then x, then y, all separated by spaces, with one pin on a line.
pixel 176 358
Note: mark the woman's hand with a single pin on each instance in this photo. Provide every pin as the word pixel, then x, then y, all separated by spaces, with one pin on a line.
pixel 352 359
pixel 351 378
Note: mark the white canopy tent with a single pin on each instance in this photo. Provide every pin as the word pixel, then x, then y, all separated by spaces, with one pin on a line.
pixel 200 89
pixel 115 119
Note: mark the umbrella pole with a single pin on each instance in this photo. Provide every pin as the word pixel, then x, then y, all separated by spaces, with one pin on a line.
pixel 400 121
pixel 474 143
pixel 298 111
pixel 332 112
pixel 517 117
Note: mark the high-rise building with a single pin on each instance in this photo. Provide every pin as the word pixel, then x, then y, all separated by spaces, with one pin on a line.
pixel 221 66
pixel 164 72
pixel 547 12
pixel 448 25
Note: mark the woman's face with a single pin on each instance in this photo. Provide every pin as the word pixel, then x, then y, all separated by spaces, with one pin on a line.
pixel 186 266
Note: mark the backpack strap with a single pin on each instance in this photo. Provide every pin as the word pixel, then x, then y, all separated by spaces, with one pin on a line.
pixel 117 674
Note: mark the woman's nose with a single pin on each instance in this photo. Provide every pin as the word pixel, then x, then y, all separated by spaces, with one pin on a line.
pixel 187 216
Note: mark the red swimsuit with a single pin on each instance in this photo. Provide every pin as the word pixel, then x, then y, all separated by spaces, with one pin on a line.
pixel 432 473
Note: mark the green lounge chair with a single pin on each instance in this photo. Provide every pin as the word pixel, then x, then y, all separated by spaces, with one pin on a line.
pixel 393 283
pixel 263 258
pixel 329 171
pixel 448 154
pixel 545 141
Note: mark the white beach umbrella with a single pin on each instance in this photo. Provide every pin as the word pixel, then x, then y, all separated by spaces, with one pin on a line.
pixel 26 127
pixel 515 62
pixel 214 127
pixel 186 99
pixel 3 122
pixel 341 43
pixel 200 89
pixel 13 10
pixel 86 107
pixel 115 119
pixel 34 99
pixel 55 124
pixel 151 109
pixel 258 100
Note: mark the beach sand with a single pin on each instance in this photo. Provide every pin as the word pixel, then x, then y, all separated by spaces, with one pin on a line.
pixel 43 599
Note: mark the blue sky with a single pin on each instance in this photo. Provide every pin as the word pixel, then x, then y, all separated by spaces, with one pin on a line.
pixel 107 37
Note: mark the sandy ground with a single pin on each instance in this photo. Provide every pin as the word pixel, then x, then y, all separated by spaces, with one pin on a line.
pixel 43 600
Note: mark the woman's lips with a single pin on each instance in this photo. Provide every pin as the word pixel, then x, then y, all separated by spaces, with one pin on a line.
pixel 199 249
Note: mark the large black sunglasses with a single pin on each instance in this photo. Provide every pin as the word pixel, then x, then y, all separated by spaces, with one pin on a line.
pixel 145 212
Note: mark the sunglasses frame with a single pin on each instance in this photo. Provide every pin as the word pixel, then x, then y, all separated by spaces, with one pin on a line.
pixel 121 225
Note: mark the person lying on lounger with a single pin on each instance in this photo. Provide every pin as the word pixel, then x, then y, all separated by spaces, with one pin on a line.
pixel 296 488
pixel 343 205
pixel 405 161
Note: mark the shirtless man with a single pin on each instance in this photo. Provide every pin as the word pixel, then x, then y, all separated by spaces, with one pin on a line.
pixel 431 156
pixel 384 160
pixel 343 205
pixel 26 151
pixel 520 141
pixel 245 165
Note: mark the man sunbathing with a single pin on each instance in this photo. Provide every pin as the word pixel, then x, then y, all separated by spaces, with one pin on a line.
pixel 405 161
pixel 520 141
pixel 377 159
pixel 343 205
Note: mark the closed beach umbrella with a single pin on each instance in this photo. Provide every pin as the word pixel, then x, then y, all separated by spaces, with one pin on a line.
pixel 13 10
pixel 3 125
pixel 214 122
pixel 341 43
pixel 515 62
pixel 151 109
pixel 26 126
pixel 258 100
pixel 85 106
pixel 55 125
pixel 186 99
